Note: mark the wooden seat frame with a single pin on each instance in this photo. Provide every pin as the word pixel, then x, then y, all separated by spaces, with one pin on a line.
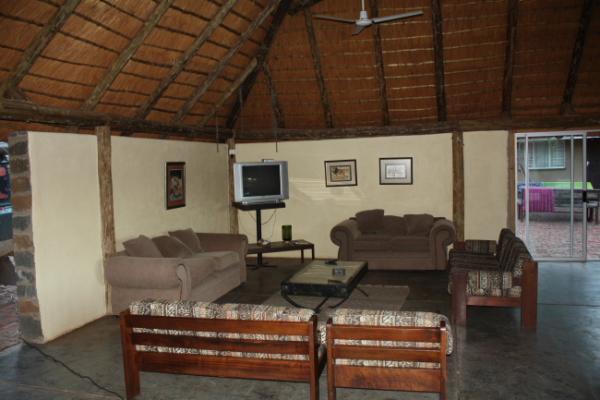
pixel 135 361
pixel 386 378
pixel 527 302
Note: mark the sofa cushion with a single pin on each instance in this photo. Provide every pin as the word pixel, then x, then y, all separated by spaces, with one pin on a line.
pixel 189 238
pixel 394 225
pixel 170 246
pixel 373 241
pixel 418 224
pixel 370 221
pixel 410 243
pixel 221 259
pixel 142 246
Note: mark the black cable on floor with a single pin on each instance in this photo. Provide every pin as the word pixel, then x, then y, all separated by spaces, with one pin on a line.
pixel 77 374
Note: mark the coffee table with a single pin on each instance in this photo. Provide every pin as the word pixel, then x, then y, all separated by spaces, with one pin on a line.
pixel 317 279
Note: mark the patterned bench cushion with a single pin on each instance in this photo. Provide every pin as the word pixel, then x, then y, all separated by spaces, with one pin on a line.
pixel 492 283
pixel 197 309
pixel 480 246
pixel 345 316
pixel 464 260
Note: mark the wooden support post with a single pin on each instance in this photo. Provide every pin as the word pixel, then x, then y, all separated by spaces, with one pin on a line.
pixel 458 184
pixel 584 23
pixel 509 58
pixel 438 55
pixel 529 295
pixel 277 112
pixel 38 45
pixel 379 65
pixel 316 57
pixel 233 213
pixel 510 201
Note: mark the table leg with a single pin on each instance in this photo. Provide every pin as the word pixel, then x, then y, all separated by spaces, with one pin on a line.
pixel 312 249
pixel 302 255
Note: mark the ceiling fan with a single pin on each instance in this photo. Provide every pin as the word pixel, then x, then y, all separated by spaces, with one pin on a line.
pixel 364 21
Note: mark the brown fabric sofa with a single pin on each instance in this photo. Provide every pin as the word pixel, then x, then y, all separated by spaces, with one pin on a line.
pixel 165 267
pixel 412 242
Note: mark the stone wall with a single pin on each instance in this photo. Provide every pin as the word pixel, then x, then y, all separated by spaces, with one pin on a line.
pixel 28 305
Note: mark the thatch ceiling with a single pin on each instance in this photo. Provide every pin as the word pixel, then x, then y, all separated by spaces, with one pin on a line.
pixel 176 61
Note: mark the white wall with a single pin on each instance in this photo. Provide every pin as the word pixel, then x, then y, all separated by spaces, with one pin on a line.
pixel 139 187
pixel 66 231
pixel 313 209
pixel 486 183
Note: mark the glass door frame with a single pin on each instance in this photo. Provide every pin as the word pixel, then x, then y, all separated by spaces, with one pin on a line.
pixel 572 135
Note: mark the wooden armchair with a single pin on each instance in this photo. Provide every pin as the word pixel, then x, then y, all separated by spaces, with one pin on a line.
pixel 406 358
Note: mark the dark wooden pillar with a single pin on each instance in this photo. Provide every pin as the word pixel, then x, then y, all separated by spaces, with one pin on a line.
pixel 458 184
pixel 233 213
pixel 510 201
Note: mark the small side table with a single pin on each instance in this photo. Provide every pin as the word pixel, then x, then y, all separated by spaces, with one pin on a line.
pixel 274 247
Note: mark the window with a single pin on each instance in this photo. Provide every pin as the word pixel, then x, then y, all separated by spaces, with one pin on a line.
pixel 546 153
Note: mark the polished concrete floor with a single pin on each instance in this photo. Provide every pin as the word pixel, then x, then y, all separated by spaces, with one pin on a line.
pixel 493 359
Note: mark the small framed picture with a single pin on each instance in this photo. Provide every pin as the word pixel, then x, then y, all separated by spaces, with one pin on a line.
pixel 396 171
pixel 175 185
pixel 340 173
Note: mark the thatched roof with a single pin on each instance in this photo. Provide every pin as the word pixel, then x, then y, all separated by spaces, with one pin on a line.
pixel 192 62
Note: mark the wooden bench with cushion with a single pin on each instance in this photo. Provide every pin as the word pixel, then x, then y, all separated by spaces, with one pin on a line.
pixel 388 350
pixel 228 340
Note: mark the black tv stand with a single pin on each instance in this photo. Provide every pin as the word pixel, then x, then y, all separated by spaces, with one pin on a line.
pixel 258 207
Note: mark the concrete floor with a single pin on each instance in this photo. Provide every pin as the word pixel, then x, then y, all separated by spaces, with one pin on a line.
pixel 493 358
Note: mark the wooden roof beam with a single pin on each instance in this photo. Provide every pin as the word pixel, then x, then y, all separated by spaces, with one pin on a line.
pixel 302 5
pixel 15 110
pixel 438 57
pixel 584 23
pixel 199 92
pixel 385 111
pixel 38 45
pixel 275 105
pixel 126 55
pixel 316 56
pixel 176 69
pixel 234 86
pixel 509 58
pixel 261 58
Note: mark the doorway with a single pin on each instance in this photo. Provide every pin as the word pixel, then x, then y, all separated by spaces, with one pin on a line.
pixel 557 192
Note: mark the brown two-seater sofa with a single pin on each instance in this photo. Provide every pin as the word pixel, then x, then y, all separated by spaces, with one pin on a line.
pixel 411 242
pixel 184 265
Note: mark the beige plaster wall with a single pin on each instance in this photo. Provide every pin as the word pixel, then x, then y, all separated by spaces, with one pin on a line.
pixel 486 183
pixel 139 187
pixel 66 231
pixel 313 209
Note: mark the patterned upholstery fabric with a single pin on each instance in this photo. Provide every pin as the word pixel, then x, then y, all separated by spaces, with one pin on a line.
pixel 196 309
pixel 390 318
pixel 470 261
pixel 480 246
pixel 491 283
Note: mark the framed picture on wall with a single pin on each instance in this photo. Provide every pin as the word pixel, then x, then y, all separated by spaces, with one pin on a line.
pixel 340 173
pixel 175 185
pixel 396 171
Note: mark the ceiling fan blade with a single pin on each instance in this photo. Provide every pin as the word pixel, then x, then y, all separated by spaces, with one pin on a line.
pixel 396 16
pixel 358 29
pixel 336 19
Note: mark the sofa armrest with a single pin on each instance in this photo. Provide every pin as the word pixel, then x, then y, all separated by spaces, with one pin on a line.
pixel 227 242
pixel 441 235
pixel 343 235
pixel 146 272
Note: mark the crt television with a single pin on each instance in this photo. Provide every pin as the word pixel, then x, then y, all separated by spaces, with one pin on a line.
pixel 260 182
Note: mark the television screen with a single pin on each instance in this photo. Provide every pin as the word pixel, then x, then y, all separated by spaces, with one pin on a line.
pixel 261 180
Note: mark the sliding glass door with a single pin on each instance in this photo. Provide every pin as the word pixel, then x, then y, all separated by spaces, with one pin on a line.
pixel 551 193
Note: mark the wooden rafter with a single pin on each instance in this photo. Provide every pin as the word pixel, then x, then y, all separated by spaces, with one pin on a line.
pixel 316 57
pixel 584 23
pixel 275 105
pixel 38 45
pixel 379 66
pixel 438 56
pixel 185 58
pixel 509 58
pixel 126 55
pixel 302 5
pixel 199 92
pixel 428 128
pixel 15 110
pixel 232 88
pixel 261 57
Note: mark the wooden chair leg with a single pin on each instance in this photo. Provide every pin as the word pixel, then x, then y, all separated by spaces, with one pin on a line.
pixel 459 297
pixel 330 363
pixel 130 365
pixel 314 360
pixel 529 296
